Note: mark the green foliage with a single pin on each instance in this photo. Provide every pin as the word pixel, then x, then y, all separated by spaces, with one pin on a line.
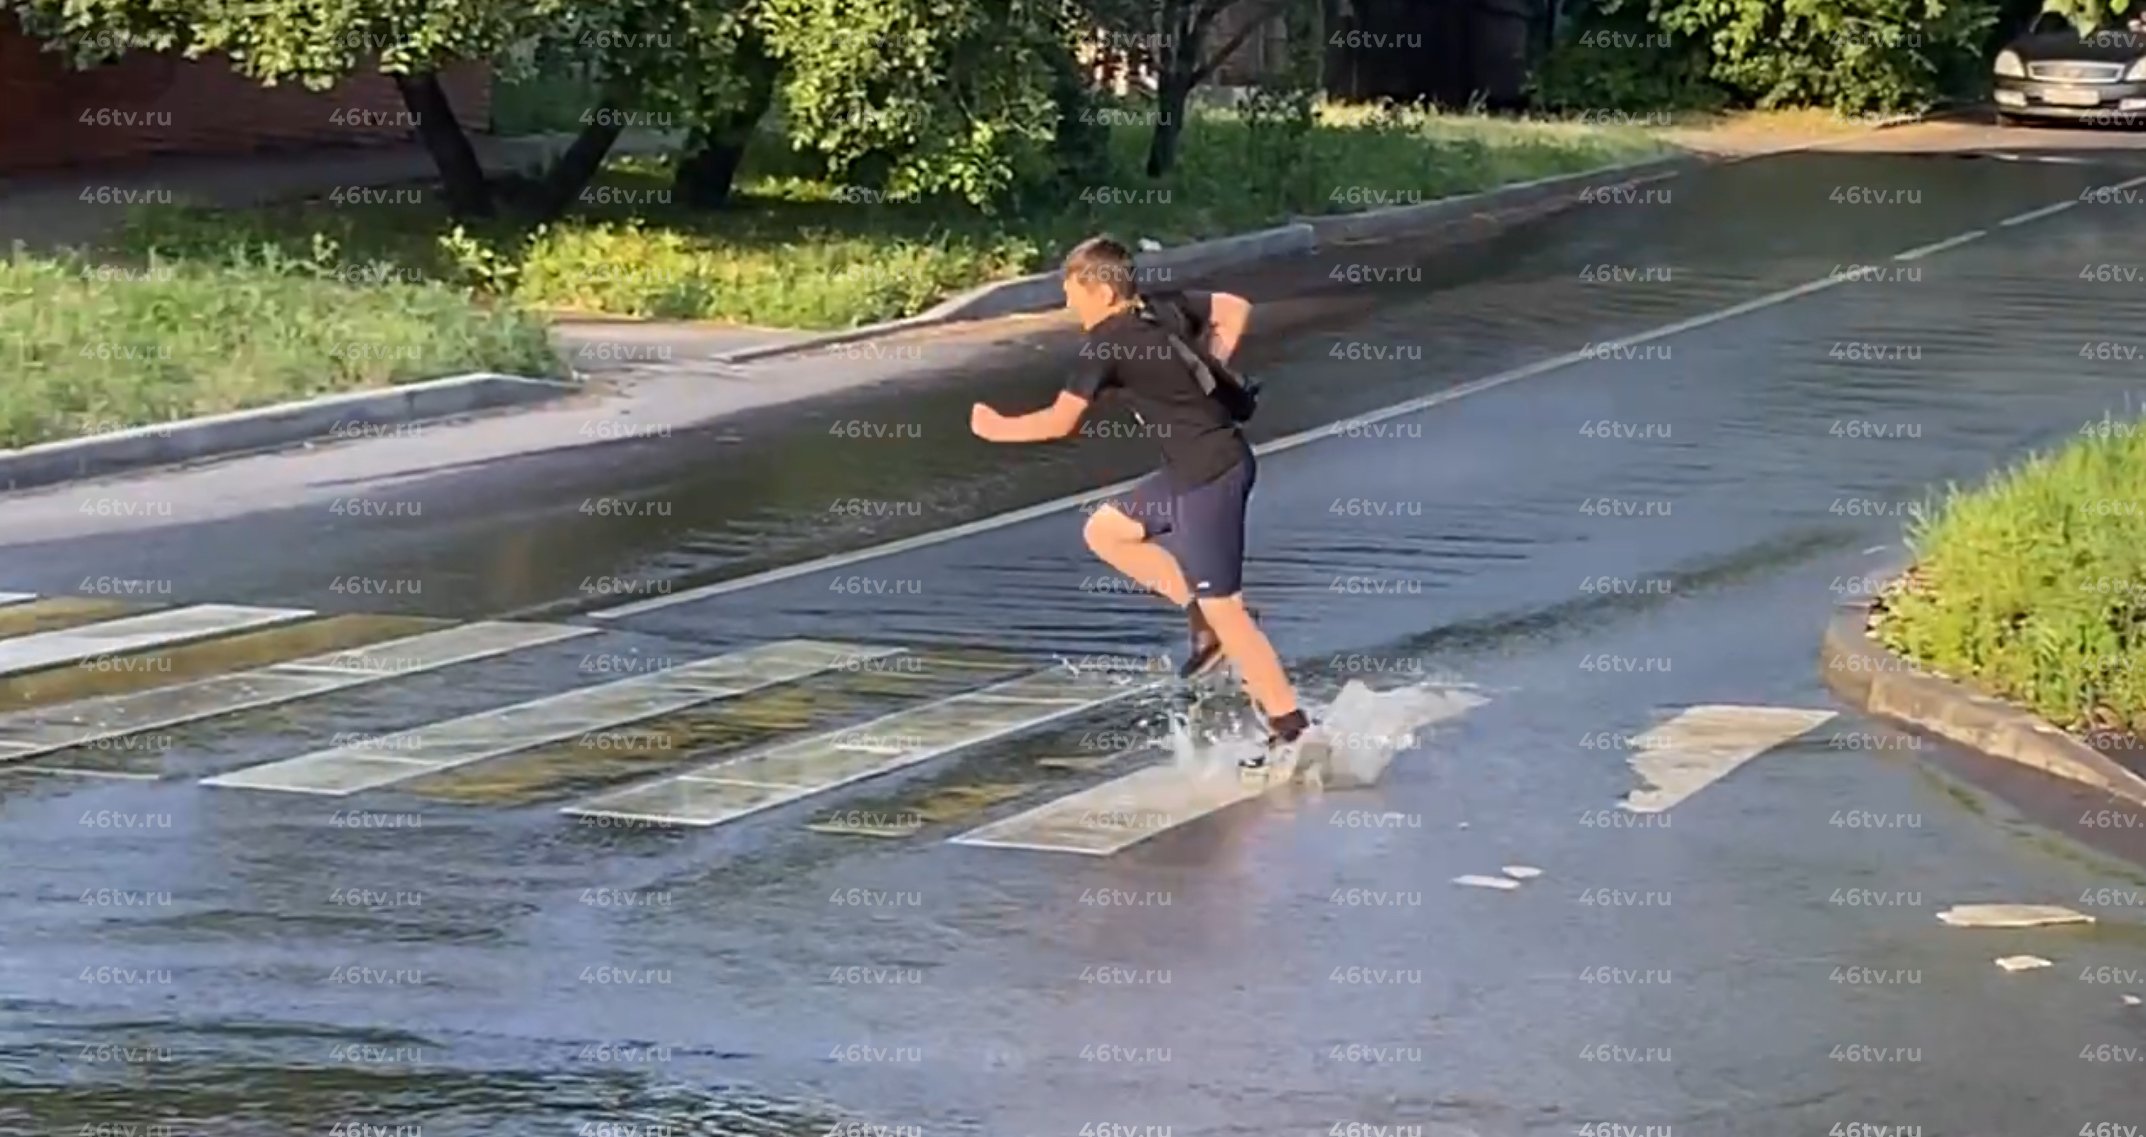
pixel 798 251
pixel 2087 15
pixel 98 347
pixel 2033 587
pixel 1617 61
pixel 1853 56
pixel 953 96
pixel 279 41
pixel 946 96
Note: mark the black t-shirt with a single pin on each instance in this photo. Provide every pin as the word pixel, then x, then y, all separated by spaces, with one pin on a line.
pixel 1128 360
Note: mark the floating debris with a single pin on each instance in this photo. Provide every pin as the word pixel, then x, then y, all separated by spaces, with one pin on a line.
pixel 2011 915
pixel 1475 881
pixel 2022 962
pixel 1522 872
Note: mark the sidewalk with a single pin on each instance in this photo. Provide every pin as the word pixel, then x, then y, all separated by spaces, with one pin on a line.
pixel 46 211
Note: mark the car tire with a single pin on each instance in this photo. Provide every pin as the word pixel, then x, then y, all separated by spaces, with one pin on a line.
pixel 2005 119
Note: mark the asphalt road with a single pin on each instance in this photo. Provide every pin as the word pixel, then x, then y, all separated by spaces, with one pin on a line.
pixel 1566 534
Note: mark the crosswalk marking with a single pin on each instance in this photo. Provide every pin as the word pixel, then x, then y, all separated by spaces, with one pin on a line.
pixel 343 770
pixel 1120 813
pixel 736 787
pixel 52 613
pixel 133 633
pixel 576 769
pixel 1702 745
pixel 177 664
pixel 27 734
pixel 1104 819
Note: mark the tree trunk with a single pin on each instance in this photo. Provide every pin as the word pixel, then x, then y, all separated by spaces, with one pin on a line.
pixel 461 176
pixel 715 149
pixel 1162 145
pixel 573 170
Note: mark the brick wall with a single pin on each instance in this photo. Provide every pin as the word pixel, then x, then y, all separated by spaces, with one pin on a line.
pixel 53 116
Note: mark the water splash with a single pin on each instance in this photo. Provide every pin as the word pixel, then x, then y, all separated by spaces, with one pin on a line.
pixel 1363 730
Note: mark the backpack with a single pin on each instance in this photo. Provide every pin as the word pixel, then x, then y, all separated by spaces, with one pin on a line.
pixel 1239 396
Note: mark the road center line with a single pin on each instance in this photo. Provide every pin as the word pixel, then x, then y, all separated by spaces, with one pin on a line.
pixel 2036 214
pixel 1278 445
pixel 1953 242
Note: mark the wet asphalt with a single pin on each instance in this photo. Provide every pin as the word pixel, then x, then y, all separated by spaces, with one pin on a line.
pixel 1592 548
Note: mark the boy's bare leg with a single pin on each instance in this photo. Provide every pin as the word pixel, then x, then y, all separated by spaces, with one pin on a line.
pixel 1123 544
pixel 1248 647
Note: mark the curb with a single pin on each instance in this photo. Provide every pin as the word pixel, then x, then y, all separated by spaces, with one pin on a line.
pixel 356 414
pixel 1399 220
pixel 1301 237
pixel 1304 235
pixel 1863 673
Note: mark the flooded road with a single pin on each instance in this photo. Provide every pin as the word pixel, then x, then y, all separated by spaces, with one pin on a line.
pixel 707 857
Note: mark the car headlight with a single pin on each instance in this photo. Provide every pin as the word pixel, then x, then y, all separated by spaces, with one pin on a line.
pixel 2137 72
pixel 2008 65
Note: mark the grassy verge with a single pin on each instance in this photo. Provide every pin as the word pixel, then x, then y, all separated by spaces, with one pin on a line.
pixel 2033 587
pixel 97 348
pixel 798 251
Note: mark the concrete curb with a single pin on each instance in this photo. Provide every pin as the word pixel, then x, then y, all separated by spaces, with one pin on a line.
pixel 1303 236
pixel 1400 220
pixel 1864 674
pixel 356 414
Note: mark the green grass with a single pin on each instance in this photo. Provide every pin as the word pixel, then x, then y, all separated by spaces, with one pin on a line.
pixel 2033 587
pixel 793 252
pixel 96 348
pixel 196 311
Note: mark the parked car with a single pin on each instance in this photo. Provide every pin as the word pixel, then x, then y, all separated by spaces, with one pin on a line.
pixel 2054 73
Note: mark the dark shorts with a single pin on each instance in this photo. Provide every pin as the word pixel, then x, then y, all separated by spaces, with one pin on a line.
pixel 1202 526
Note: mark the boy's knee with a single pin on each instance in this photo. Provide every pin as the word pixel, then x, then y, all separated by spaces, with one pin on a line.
pixel 1106 528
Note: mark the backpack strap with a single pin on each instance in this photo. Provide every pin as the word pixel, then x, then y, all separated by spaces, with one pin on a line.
pixel 1190 358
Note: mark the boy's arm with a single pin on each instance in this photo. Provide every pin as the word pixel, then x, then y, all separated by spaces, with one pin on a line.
pixel 1058 420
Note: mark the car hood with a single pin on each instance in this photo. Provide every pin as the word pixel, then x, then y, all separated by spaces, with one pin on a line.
pixel 2099 47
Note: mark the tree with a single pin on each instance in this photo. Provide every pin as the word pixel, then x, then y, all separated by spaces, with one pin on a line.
pixel 945 96
pixel 951 96
pixel 2087 15
pixel 1175 40
pixel 314 45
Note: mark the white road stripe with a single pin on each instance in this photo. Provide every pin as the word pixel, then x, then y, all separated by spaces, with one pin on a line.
pixel 746 784
pixel 2037 214
pixel 26 734
pixel 1104 819
pixel 343 770
pixel 134 633
pixel 1107 818
pixel 1952 242
pixel 1275 446
pixel 1702 745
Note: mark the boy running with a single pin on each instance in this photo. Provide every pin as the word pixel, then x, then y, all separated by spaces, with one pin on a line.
pixel 1180 531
